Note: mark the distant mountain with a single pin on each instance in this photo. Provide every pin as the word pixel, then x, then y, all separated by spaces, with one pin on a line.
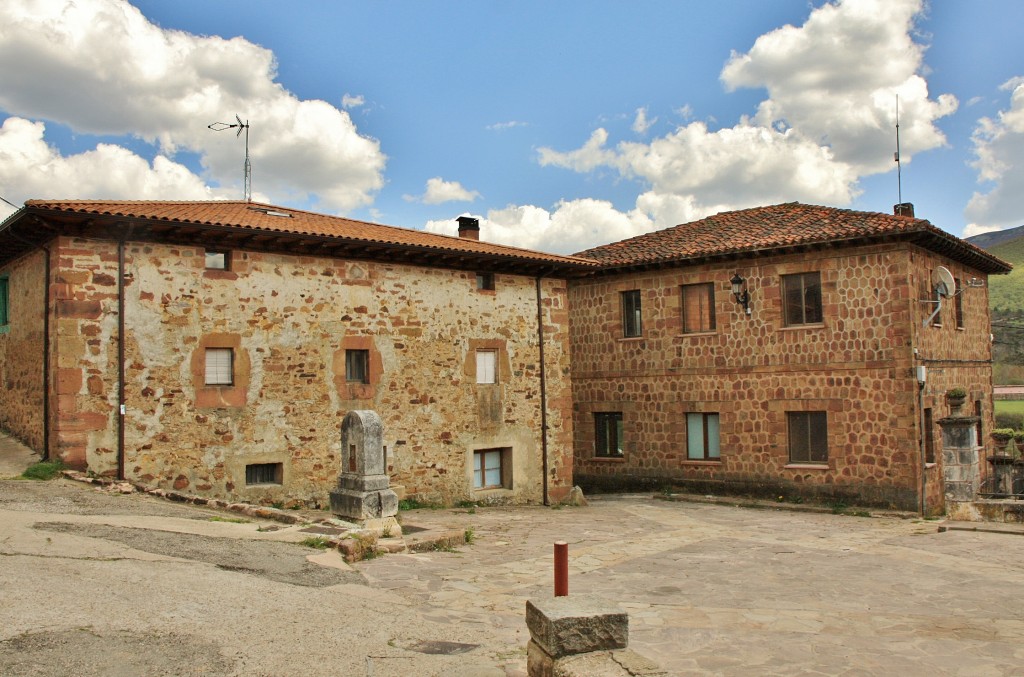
pixel 995 238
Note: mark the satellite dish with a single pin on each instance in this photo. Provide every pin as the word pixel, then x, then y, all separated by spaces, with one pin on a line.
pixel 943 282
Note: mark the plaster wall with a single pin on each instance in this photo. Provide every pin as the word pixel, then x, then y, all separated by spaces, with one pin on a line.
pixel 289 320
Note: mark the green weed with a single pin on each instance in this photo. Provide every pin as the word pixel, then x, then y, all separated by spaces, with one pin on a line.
pixel 44 470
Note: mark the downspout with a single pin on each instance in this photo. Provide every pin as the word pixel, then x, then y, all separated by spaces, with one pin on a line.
pixel 120 359
pixel 46 340
pixel 543 394
pixel 924 440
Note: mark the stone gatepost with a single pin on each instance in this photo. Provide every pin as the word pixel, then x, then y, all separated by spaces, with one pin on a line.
pixel 581 636
pixel 960 457
pixel 363 494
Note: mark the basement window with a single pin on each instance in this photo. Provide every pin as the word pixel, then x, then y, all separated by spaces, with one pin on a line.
pixel 492 469
pixel 263 473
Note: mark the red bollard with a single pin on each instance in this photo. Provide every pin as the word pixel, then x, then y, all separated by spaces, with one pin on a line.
pixel 561 569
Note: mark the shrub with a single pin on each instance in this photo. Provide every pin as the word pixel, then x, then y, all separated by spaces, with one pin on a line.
pixel 1009 420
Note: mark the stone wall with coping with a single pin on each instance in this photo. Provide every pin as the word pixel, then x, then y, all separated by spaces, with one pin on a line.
pixel 21 350
pixel 289 320
pixel 857 365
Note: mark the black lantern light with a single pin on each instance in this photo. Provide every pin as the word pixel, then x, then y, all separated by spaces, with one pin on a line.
pixel 739 290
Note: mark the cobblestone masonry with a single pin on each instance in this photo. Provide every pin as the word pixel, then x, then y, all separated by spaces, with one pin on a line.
pixel 289 320
pixel 858 366
pixel 21 351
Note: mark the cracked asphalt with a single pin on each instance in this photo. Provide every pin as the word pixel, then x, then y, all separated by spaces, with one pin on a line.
pixel 94 583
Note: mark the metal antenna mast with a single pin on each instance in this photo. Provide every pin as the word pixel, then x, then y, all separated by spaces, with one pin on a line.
pixel 220 127
pixel 899 174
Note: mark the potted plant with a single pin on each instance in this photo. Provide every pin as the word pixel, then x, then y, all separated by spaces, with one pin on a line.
pixel 956 397
pixel 1001 436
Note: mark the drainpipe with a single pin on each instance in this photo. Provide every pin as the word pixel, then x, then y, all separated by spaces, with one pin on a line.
pixel 924 439
pixel 543 394
pixel 120 359
pixel 46 339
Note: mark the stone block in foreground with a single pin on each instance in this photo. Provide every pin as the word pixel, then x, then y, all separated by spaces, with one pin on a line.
pixel 563 626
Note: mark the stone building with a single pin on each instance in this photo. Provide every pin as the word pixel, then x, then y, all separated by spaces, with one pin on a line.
pixel 805 382
pixel 215 347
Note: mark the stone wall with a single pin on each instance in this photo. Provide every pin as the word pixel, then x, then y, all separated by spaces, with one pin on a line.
pixel 289 320
pixel 857 366
pixel 21 351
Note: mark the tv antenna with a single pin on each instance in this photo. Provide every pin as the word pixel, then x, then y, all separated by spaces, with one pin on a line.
pixel 220 127
pixel 896 156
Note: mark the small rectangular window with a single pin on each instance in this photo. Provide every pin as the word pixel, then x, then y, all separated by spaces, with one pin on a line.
pixel 357 366
pixel 702 437
pixel 608 436
pixel 486 366
pixel 981 434
pixel 492 469
pixel 217 260
pixel 263 473
pixel 929 436
pixel 631 324
pixel 5 301
pixel 958 304
pixel 801 299
pixel 698 308
pixel 808 436
pixel 485 281
pixel 220 366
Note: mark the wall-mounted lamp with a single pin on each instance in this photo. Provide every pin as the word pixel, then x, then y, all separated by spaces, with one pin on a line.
pixel 739 290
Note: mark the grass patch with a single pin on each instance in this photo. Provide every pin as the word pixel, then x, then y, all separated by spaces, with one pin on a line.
pixel 414 504
pixel 1010 407
pixel 233 520
pixel 44 470
pixel 316 542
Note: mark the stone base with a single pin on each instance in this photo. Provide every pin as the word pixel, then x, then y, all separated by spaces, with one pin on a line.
pixel 621 663
pixel 358 506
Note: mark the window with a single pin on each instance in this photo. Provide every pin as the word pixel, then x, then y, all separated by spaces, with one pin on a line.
pixel 220 366
pixel 5 302
pixel 702 437
pixel 487 366
pixel 608 434
pixel 808 436
pixel 631 326
pixel 263 473
pixel 698 308
pixel 492 469
pixel 801 298
pixel 216 260
pixel 357 366
pixel 485 281
pixel 978 429
pixel 929 436
pixel 958 304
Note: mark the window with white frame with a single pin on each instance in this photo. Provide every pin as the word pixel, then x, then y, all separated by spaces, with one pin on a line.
pixel 220 366
pixel 702 437
pixel 486 366
pixel 491 469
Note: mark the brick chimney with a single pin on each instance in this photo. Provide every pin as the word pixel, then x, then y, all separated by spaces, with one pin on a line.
pixel 469 227
pixel 904 209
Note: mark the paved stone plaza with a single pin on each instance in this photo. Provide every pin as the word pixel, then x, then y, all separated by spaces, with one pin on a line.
pixel 93 579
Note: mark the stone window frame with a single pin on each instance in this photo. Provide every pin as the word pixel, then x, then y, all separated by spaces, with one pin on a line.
pixel 631 304
pixel 232 396
pixel 502 367
pixel 813 417
pixel 355 390
pixel 706 436
pixel 708 299
pixel 787 308
pixel 504 457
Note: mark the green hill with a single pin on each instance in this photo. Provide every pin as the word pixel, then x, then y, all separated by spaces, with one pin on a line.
pixel 1006 292
pixel 1006 299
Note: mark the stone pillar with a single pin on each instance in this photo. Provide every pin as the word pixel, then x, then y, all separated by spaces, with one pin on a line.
pixel 960 457
pixel 581 636
pixel 363 494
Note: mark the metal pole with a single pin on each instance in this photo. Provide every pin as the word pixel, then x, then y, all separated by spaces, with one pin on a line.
pixel 561 569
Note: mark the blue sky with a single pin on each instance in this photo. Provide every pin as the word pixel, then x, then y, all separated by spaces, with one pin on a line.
pixel 562 125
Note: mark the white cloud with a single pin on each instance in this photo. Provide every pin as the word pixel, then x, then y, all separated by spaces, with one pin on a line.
pixel 352 101
pixel 640 123
pixel 999 151
pixel 502 126
pixel 440 191
pixel 572 226
pixel 828 120
pixel 101 67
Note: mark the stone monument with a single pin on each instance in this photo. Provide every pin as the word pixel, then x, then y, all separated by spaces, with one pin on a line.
pixel 363 494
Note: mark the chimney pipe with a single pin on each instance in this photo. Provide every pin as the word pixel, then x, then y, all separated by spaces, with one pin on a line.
pixel 469 227
pixel 904 209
